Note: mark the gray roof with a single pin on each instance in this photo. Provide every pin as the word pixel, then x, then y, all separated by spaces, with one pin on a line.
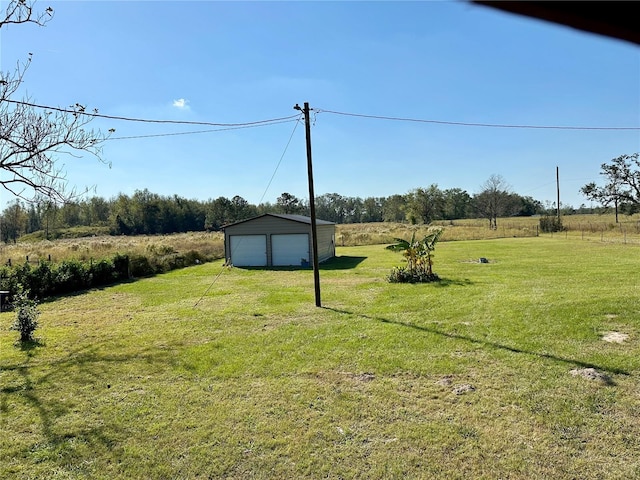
pixel 293 218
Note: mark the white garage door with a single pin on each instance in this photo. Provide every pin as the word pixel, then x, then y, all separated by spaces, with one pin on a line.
pixel 249 250
pixel 290 249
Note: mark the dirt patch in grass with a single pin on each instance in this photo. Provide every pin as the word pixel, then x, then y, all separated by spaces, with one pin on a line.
pixel 615 337
pixel 464 388
pixel 591 374
pixel 447 381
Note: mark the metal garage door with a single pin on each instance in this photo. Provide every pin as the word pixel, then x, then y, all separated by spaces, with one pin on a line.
pixel 249 250
pixel 289 249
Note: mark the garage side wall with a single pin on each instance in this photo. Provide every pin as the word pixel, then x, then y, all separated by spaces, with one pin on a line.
pixel 326 242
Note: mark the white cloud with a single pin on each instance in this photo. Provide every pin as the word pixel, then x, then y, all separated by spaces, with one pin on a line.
pixel 181 103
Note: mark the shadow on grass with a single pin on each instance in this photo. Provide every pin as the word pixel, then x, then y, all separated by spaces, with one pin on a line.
pixel 498 346
pixel 342 262
pixel 21 383
pixel 29 346
pixel 447 282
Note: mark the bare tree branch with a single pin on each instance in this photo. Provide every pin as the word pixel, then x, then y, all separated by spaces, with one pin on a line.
pixel 22 11
pixel 32 138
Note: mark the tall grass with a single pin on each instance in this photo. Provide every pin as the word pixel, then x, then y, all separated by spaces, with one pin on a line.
pixel 87 248
pixel 586 227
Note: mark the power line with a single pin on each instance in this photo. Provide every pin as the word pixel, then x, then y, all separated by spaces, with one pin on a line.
pixel 468 124
pixel 200 131
pixel 261 198
pixel 81 111
pixel 281 157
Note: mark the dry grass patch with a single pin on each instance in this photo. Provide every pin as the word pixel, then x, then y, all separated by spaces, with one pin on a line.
pixel 615 337
pixel 87 248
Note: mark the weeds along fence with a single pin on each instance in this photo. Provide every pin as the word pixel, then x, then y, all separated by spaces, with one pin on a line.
pixel 385 233
pixel 34 261
pixel 348 235
pixel 618 235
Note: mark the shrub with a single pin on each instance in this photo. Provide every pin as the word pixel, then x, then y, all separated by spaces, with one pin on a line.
pixel 550 224
pixel 27 314
pixel 194 258
pixel 41 280
pixel 102 272
pixel 405 275
pixel 140 266
pixel 121 266
pixel 71 276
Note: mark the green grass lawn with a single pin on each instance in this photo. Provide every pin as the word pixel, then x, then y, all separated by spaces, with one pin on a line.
pixel 210 372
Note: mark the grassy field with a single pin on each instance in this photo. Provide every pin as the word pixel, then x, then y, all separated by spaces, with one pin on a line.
pixel 599 228
pixel 499 371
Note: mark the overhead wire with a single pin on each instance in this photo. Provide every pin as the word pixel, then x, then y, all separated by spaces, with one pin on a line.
pixel 470 124
pixel 80 110
pixel 281 157
pixel 201 131
pixel 215 279
pixel 95 114
pixel 317 110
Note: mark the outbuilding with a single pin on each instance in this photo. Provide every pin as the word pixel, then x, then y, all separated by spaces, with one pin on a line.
pixel 274 240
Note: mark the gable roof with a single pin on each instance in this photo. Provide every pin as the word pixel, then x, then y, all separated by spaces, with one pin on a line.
pixel 293 218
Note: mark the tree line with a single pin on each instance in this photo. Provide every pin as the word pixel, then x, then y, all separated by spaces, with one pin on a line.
pixel 147 213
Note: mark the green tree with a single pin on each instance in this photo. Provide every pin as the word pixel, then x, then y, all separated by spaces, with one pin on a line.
pixel 14 222
pixel 528 206
pixel 372 209
pixel 457 203
pixel 241 209
pixel 218 213
pixel 622 183
pixel 289 204
pixel 394 208
pixel 426 204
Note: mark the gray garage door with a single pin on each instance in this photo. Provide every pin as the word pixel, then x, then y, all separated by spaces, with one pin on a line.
pixel 290 249
pixel 249 250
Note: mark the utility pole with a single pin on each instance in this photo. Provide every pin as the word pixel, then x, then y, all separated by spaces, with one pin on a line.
pixel 558 189
pixel 312 202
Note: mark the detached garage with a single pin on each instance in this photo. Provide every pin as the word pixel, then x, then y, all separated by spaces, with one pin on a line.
pixel 273 240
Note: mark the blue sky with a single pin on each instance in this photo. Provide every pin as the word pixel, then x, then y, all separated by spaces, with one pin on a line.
pixel 237 62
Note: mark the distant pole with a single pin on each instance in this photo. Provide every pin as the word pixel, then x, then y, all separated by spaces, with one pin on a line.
pixel 558 189
pixel 312 203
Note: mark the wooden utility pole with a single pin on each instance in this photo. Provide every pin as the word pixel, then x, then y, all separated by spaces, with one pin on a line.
pixel 558 189
pixel 312 202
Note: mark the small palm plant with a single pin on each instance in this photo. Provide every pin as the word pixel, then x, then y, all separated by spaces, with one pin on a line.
pixel 419 255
